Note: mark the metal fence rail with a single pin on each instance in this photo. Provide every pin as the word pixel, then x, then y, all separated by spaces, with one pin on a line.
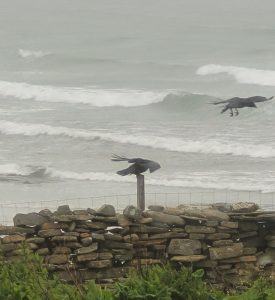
pixel 264 200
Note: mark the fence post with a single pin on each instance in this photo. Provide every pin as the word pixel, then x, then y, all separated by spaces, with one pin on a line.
pixel 140 192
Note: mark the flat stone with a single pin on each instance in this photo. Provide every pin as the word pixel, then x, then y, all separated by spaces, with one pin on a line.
pixel 7 230
pixel 248 226
pixel 106 210
pixel 165 218
pixel 226 252
pixel 13 239
pixel 43 251
pixel 87 241
pixel 145 220
pixel 96 225
pixel 49 233
pixel 46 213
pixel 71 233
pixel 72 226
pixel 31 219
pixel 70 218
pixel 240 259
pixel 8 247
pixel 229 224
pixel 206 264
pixel 173 211
pixel 188 258
pixel 167 235
pixel 133 213
pixel 98 237
pixel 244 207
pixel 269 237
pixel 224 207
pixel 64 238
pixel 105 255
pixel 113 237
pixel 214 214
pixel 36 240
pixel 184 247
pixel 99 264
pixel 149 243
pixel 47 226
pixel 118 245
pixel 32 246
pixel 61 250
pixel 105 219
pixel 218 236
pixel 158 208
pixel 57 259
pixel 223 243
pixel 199 229
pixel 86 257
pixel 196 236
pixel 150 261
pixel 147 229
pixel 211 223
pixel 73 245
pixel 86 250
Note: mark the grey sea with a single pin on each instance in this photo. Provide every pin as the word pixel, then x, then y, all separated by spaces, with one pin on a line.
pixel 82 80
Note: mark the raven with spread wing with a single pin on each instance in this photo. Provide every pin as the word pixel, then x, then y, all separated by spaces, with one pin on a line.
pixel 236 102
pixel 139 165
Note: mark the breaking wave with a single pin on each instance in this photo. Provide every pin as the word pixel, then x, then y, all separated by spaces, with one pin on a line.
pixel 24 53
pixel 207 146
pixel 78 95
pixel 247 181
pixel 241 74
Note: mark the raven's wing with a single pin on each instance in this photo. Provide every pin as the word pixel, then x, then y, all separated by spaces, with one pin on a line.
pixel 130 160
pixel 226 101
pixel 260 98
pixel 130 170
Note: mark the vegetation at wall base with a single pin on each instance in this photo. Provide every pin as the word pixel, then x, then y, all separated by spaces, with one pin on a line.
pixel 26 278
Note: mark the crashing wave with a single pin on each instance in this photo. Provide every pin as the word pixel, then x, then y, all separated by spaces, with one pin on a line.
pixel 24 53
pixel 207 146
pixel 241 74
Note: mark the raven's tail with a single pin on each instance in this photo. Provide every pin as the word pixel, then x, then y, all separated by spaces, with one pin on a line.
pixel 119 158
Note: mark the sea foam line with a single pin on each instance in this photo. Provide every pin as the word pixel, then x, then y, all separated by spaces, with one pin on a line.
pixel 77 95
pixel 208 146
pixel 241 74
pixel 247 181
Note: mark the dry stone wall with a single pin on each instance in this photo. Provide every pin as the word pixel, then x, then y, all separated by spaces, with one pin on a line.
pixel 232 243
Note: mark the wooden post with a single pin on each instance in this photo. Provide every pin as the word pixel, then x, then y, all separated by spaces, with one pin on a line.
pixel 140 192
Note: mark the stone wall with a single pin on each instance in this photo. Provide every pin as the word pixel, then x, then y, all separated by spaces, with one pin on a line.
pixel 232 243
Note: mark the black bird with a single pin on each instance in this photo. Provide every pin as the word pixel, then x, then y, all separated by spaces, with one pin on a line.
pixel 237 102
pixel 139 165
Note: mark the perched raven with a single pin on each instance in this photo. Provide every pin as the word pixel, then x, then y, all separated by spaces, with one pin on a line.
pixel 237 102
pixel 139 165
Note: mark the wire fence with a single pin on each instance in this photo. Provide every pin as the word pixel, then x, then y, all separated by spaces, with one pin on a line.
pixel 265 200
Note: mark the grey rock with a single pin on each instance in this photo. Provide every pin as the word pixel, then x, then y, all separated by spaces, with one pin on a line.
pixel 133 213
pixel 106 210
pixel 199 229
pixel 224 207
pixel 226 252
pixel 31 219
pixel 165 218
pixel 63 210
pixel 184 247
pixel 244 207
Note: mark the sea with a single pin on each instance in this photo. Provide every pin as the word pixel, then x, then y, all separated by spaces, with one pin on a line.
pixel 83 80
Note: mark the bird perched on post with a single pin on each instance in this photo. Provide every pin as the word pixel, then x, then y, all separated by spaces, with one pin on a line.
pixel 139 165
pixel 236 102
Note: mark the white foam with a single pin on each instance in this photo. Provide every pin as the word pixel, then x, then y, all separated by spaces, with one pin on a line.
pixel 24 53
pixel 241 74
pixel 207 146
pixel 92 96
pixel 210 180
pixel 13 169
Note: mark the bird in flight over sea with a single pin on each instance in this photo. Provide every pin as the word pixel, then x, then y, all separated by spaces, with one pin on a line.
pixel 139 165
pixel 236 102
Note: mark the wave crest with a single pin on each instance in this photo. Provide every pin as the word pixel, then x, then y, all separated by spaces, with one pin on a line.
pixel 24 53
pixel 241 74
pixel 209 146
pixel 92 96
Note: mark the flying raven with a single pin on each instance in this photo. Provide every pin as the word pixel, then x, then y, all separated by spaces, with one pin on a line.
pixel 139 165
pixel 237 102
